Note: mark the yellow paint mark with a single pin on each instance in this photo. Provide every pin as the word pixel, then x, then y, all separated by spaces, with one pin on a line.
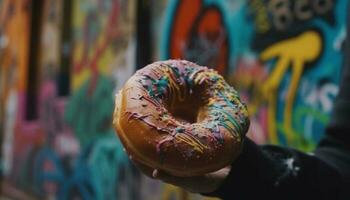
pixel 79 79
pixel 294 53
pixel 173 192
pixel 78 18
pixel 78 51
pixel 105 61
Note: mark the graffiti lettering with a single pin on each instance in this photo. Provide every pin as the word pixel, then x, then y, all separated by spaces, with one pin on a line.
pixel 261 18
pixel 284 12
pixel 282 16
pixel 322 6
pixel 301 10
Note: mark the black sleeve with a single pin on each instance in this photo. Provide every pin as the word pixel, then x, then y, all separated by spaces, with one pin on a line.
pixel 274 172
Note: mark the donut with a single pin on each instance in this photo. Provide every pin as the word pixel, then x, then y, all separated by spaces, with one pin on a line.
pixel 181 118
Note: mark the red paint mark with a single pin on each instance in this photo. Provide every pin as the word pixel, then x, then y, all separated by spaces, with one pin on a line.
pixel 195 27
pixel 185 17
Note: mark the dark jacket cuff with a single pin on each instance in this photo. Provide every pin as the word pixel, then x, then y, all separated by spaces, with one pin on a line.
pixel 244 172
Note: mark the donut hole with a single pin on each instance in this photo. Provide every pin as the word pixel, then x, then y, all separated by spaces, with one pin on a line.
pixel 186 112
pixel 189 110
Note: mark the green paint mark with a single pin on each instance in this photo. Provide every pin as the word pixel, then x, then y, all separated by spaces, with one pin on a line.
pixel 90 116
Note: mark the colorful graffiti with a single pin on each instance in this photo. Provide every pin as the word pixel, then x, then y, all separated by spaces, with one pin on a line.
pixel 70 150
pixel 103 38
pixel 280 54
pixel 296 50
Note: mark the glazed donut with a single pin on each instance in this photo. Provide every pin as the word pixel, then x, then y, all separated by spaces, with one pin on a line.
pixel 181 118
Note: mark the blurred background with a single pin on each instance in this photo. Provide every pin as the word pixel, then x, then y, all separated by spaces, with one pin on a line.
pixel 61 62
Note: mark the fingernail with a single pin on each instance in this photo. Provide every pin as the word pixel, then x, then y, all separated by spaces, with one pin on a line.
pixel 155 173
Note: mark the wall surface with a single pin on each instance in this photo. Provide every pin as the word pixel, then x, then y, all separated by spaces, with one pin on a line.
pixel 68 149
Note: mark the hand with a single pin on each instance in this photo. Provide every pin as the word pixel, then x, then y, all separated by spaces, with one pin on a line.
pixel 198 184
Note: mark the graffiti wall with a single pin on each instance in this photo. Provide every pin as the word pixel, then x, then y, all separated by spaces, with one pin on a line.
pixel 283 56
pixel 69 150
pixel 103 57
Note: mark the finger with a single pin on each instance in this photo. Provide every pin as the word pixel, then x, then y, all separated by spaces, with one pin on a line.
pixel 223 172
pixel 188 183
pixel 171 179
pixel 205 183
pixel 155 173
pixel 161 175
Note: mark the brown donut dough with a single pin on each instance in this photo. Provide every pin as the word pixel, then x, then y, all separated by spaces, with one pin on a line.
pixel 181 118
